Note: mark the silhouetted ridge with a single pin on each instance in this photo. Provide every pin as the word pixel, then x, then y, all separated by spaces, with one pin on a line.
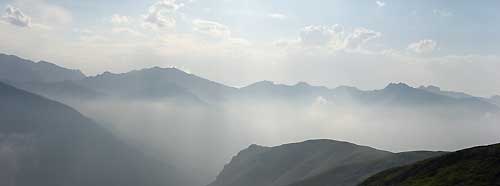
pixel 397 87
pixel 291 163
pixel 478 166
pixel 437 90
pixel 302 93
pixel 50 144
pixel 16 69
pixel 260 84
pixel 159 82
pixel 302 84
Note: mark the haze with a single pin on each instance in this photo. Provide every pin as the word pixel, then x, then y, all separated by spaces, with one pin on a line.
pixel 244 92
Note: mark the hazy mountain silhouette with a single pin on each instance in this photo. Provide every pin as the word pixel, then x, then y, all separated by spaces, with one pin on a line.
pixel 158 83
pixel 45 143
pixel 13 68
pixel 478 166
pixel 153 83
pixel 301 92
pixel 437 90
pixel 403 94
pixel 393 95
pixel 314 162
pixel 270 89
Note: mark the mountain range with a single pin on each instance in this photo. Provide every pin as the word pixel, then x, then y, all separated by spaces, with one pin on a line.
pixel 57 82
pixel 197 124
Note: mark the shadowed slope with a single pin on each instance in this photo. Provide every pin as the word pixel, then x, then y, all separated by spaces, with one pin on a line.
pixel 45 143
pixel 291 163
pixel 478 166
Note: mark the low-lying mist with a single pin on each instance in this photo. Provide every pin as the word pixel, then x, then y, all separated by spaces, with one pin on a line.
pixel 201 138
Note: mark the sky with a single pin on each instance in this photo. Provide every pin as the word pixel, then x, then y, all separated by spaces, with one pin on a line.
pixel 366 43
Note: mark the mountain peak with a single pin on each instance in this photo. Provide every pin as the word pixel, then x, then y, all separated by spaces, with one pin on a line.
pixel 267 83
pixel 397 86
pixel 161 68
pixel 106 74
pixel 347 88
pixel 157 69
pixel 252 146
pixel 302 84
pixel 152 70
pixel 430 88
pixel 292 163
pixel 17 69
pixel 264 83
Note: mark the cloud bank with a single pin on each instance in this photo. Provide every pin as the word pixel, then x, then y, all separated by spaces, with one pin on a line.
pixel 16 17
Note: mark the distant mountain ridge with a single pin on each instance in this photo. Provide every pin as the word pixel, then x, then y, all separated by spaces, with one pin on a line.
pixel 296 163
pixel 13 68
pixel 398 94
pixel 156 82
pixel 266 90
pixel 437 90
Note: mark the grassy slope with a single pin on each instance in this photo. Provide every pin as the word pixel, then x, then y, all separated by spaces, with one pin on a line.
pixel 356 173
pixel 478 166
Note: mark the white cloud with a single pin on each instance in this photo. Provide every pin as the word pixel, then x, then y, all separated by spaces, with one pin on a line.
pixel 423 46
pixel 442 13
pixel 211 28
pixel 16 17
pixel 331 38
pixel 162 13
pixel 45 15
pixel 277 16
pixel 320 35
pixel 359 37
pixel 119 19
pixel 380 3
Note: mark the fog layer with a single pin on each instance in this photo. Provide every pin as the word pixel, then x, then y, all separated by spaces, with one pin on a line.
pixel 201 138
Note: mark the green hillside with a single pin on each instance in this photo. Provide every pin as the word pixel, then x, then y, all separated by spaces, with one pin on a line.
pixel 478 166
